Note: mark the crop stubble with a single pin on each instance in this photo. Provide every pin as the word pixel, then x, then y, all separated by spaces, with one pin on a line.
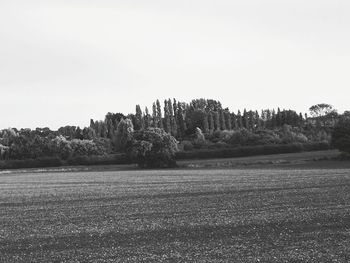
pixel 222 215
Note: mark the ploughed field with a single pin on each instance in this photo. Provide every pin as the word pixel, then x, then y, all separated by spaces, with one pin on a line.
pixel 209 215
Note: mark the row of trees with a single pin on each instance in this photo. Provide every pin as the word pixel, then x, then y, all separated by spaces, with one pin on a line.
pixel 202 122
pixel 181 119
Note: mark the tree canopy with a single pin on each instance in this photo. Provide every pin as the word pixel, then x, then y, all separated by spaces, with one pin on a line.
pixel 153 147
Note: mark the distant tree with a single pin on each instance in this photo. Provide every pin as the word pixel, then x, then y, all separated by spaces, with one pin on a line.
pixel 257 121
pixel 8 136
pixel 153 148
pixel 174 128
pixel 251 119
pixel 205 123
pixel 245 119
pixel 167 117
pixel 273 119
pixel 279 118
pixel 341 135
pixel 67 131
pixel 196 118
pixel 239 119
pixel 227 119
pixel 181 121
pixel 92 123
pixel 216 120
pixel 147 119
pixel 154 116
pixel 234 121
pixel 61 147
pixel 346 114
pixel 211 125
pixel 139 122
pixel 321 109
pixel 175 110
pixel 159 115
pixel 301 120
pixel 222 120
pixel 124 135
pixel 323 112
pixel 78 133
pixel 88 133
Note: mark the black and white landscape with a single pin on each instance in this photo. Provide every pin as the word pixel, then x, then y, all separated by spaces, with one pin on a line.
pixel 174 131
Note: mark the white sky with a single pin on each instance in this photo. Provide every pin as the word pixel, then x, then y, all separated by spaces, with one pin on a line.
pixel 64 62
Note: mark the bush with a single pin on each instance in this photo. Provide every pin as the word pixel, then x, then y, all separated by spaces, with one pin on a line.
pixel 153 148
pixel 341 135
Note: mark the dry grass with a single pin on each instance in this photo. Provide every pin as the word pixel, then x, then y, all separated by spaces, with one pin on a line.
pixel 278 215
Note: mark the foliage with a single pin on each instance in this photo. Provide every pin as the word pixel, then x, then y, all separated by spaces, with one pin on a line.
pixel 199 138
pixel 199 124
pixel 321 109
pixel 288 135
pixel 153 148
pixel 323 112
pixel 341 135
pixel 124 135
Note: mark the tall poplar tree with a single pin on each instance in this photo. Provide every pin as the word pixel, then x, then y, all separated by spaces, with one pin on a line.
pixel 222 120
pixel 139 125
pixel 228 122
pixel 167 124
pixel 245 119
pixel 154 116
pixel 181 121
pixel 147 119
pixel 216 120
pixel 239 119
pixel 211 122
pixel 159 115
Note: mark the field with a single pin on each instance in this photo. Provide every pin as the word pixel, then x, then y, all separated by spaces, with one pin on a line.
pixel 183 215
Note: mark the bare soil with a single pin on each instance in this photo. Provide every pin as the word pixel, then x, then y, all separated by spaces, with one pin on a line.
pixel 183 215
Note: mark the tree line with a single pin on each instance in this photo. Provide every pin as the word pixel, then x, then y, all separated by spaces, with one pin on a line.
pixel 181 119
pixel 201 123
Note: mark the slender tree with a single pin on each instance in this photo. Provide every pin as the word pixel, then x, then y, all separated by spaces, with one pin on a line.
pixel 167 124
pixel 147 119
pixel 159 115
pixel 239 119
pixel 139 124
pixel 216 120
pixel 228 122
pixel 211 125
pixel 154 116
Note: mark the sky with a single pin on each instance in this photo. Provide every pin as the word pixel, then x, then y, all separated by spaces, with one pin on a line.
pixel 63 62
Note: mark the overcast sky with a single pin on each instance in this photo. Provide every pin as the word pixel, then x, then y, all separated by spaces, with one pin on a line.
pixel 64 62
